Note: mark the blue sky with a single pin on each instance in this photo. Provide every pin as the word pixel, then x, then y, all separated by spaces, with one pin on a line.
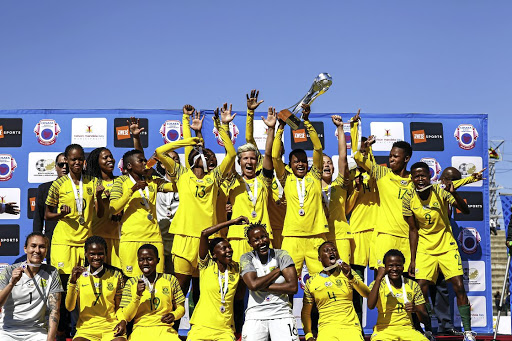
pixel 385 56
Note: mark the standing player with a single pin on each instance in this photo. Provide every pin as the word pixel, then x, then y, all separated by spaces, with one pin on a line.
pixel 305 224
pixel 331 290
pixel 248 193
pixel 271 277
pixel 198 188
pixel 218 276
pixel 97 290
pixel 30 294
pixel 433 247
pixel 396 299
pixel 153 300
pixel 135 194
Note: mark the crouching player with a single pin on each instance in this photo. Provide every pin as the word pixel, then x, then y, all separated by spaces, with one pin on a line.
pixel 270 276
pixel 396 299
pixel 331 290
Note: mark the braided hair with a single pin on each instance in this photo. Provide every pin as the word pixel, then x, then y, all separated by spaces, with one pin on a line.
pixel 93 166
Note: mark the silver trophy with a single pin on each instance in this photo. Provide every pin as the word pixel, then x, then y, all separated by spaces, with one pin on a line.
pixel 320 85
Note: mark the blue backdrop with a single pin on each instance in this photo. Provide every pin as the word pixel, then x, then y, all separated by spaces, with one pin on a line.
pixel 30 140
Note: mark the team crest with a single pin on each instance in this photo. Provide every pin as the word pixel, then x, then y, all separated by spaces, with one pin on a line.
pixel 209 181
pixel 151 189
pixel 466 135
pixel 233 133
pixel 46 132
pixel 110 286
pixel 171 131
pixel 338 283
pixel 434 166
pixel 165 291
pixel 89 191
pixel 469 238
pixel 43 283
pixel 231 278
pixel 7 166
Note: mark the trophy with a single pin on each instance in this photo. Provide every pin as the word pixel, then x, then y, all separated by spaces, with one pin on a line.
pixel 321 84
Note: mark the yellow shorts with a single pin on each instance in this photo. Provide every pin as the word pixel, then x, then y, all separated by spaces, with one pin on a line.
pixel 156 333
pixel 373 258
pixel 361 248
pixel 386 242
pixel 94 335
pixel 428 266
pixel 239 246
pixel 113 252
pixel 398 333
pixel 304 249
pixel 277 241
pixel 343 246
pixel 65 257
pixel 185 251
pixel 200 333
pixel 337 333
pixel 129 261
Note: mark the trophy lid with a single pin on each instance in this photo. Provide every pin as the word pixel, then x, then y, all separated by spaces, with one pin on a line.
pixel 322 82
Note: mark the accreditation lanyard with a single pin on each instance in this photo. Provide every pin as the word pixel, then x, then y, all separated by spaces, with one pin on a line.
pixel 151 286
pixel 301 191
pixel 253 195
pixel 404 293
pixel 327 196
pixel 79 194
pixel 223 288
pixel 144 195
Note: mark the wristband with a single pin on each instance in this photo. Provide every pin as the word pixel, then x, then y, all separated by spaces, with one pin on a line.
pixel 307 336
pixel 509 243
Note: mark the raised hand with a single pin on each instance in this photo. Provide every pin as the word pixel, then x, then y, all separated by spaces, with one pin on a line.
pixel 141 286
pixel 241 220
pixel 448 185
pixel 215 117
pixel 480 175
pixel 306 110
pixel 357 117
pixel 347 270
pixel 135 128
pixel 12 208
pixel 337 120
pixel 188 109
pixel 16 275
pixel 75 273
pixel 197 121
pixel 252 102
pixel 381 272
pixel 369 141
pixel 225 113
pixel 271 119
pixel 99 190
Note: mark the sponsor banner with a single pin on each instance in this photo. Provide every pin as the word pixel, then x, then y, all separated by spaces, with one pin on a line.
pixel 89 132
pixel 7 166
pixel 434 166
pixel 122 137
pixel 468 165
pixel 348 137
pixel 233 134
pixel 475 201
pixel 9 240
pixel 46 132
pixel 300 137
pixel 386 133
pixel 10 195
pixel 469 239
pixel 466 136
pixel 11 132
pixel 41 167
pixel 31 202
pixel 478 312
pixel 474 275
pixel 427 136
pixel 171 131
pixel 260 134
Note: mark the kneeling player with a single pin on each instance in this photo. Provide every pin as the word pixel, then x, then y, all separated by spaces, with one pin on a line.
pixel 270 276
pixel 433 247
pixel 396 299
pixel 331 290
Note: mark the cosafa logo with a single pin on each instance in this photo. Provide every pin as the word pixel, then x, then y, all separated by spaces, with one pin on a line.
pixel 435 167
pixel 171 131
pixel 46 132
pixel 466 135
pixel 7 166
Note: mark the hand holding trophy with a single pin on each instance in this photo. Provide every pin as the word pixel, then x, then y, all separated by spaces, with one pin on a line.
pixel 320 85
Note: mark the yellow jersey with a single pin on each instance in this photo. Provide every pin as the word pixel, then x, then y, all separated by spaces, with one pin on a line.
pixel 96 299
pixel 276 205
pixel 391 306
pixel 68 230
pixel 365 211
pixel 243 206
pixel 136 223
pixel 104 226
pixel 207 312
pixel 432 220
pixel 333 297
pixel 148 309
pixel 336 195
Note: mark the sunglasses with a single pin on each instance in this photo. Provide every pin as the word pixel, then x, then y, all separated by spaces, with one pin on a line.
pixel 62 164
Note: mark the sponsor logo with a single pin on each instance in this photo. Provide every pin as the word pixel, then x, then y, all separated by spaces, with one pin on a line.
pixel 89 132
pixel 171 131
pixel 427 136
pixel 11 132
pixel 474 275
pixel 60 265
pixel 7 167
pixel 468 165
pixel 233 134
pixel 304 276
pixel 466 135
pixel 31 202
pixel 478 312
pixel 302 140
pixel 435 167
pixel 386 133
pixel 475 203
pixel 122 136
pixel 469 238
pixel 10 240
pixel 41 167
pixel 122 133
pixel 10 195
pixel 46 132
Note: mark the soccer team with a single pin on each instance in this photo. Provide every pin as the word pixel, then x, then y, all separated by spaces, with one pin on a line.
pixel 126 249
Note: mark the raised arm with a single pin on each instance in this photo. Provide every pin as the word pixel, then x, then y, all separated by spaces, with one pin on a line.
pixel 188 110
pixel 459 202
pixel 270 121
pixel 166 160
pixel 252 104
pixel 470 179
pixel 342 147
pixel 276 153
pixel 373 297
pixel 203 242
pixel 226 117
pixel 317 145
pixel 135 131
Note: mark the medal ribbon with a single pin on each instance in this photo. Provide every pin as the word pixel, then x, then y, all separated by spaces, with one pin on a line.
pixel 26 263
pixel 200 155
pixel 424 188
pixel 223 290
pixel 146 191
pixel 338 263
pixel 403 289
pixel 301 191
pixel 151 286
pixel 79 197
pixel 327 196
pixel 252 195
